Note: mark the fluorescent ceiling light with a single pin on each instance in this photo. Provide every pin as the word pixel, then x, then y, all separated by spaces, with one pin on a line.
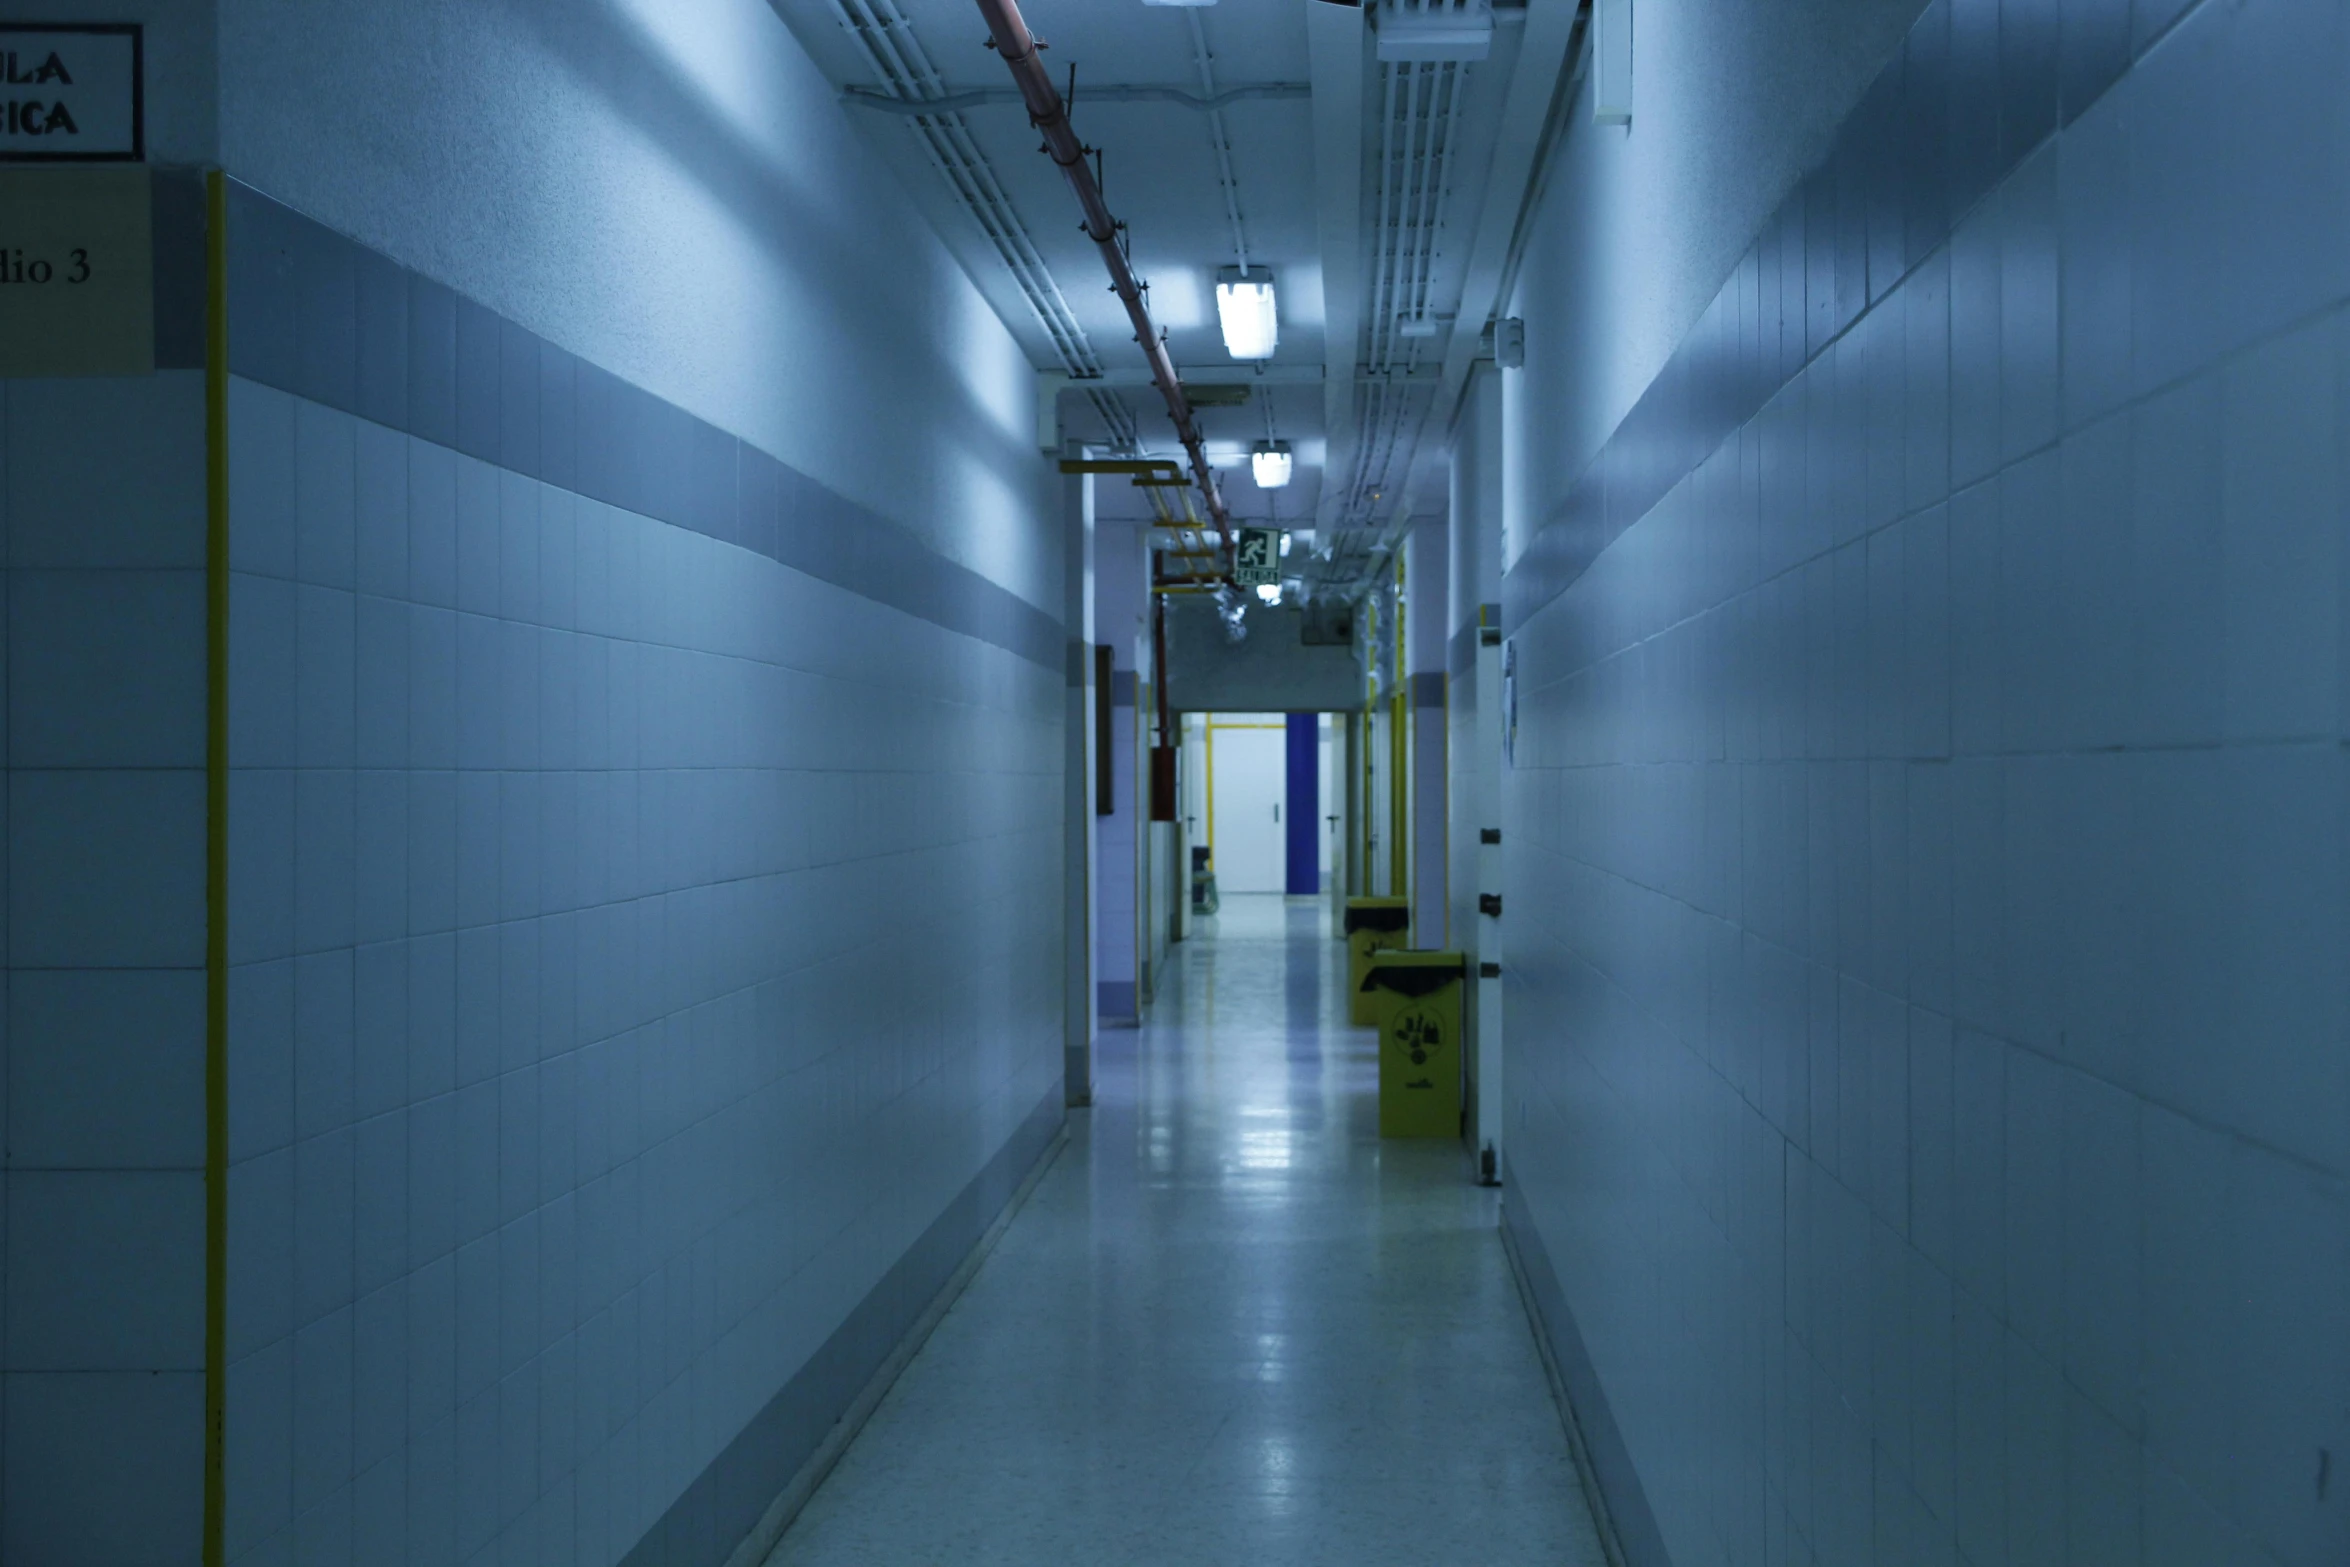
pixel 1437 33
pixel 1244 308
pixel 1270 593
pixel 1270 463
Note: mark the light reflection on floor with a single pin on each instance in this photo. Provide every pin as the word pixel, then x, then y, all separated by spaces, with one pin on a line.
pixel 1231 1325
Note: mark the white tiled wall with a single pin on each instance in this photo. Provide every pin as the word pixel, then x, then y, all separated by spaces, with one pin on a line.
pixel 102 1034
pixel 636 943
pixel 1930 1027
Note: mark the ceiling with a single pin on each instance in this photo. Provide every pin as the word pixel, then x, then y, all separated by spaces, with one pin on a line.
pixel 1383 195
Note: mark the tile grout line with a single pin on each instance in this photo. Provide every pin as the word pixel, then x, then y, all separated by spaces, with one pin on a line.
pixel 977 605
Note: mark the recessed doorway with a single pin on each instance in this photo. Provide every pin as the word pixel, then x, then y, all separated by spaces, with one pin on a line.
pixel 1248 791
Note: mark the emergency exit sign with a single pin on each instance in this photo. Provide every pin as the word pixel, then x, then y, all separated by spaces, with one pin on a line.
pixel 72 93
pixel 1256 559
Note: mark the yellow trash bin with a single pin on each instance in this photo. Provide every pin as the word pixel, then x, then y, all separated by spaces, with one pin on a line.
pixel 1418 999
pixel 1371 925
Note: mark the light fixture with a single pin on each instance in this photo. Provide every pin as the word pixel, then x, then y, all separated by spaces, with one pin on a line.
pixel 1244 308
pixel 1270 593
pixel 1270 464
pixel 1425 33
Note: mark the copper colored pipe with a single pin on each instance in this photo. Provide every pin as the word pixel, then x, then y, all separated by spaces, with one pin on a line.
pixel 1051 117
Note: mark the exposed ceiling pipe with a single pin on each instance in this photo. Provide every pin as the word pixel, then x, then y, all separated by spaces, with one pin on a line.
pixel 1209 101
pixel 913 85
pixel 1012 40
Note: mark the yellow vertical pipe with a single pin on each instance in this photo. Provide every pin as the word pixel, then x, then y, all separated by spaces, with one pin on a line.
pixel 215 863
pixel 1398 754
pixel 1444 807
pixel 1398 846
pixel 1370 762
pixel 1208 768
pixel 1144 891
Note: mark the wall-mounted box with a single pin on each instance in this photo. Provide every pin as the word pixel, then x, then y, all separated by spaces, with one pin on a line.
pixel 1611 61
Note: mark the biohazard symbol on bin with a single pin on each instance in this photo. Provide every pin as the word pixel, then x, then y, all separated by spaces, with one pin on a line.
pixel 1418 1034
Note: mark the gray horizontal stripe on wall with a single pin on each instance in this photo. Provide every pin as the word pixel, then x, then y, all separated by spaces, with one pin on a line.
pixel 1428 688
pixel 1973 89
pixel 176 243
pixel 320 315
pixel 1460 654
pixel 726 1501
pixel 1630 1518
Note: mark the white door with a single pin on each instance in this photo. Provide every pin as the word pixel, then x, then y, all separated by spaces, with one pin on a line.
pixel 1248 774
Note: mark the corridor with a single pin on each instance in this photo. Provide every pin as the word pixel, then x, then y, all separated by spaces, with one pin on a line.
pixel 1229 1325
pixel 627 627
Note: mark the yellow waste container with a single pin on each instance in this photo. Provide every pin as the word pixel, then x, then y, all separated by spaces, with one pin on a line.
pixel 1418 999
pixel 1371 924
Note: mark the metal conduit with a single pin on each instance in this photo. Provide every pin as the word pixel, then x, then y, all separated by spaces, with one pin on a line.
pixel 1209 101
pixel 1418 142
pixel 1370 405
pixel 1010 35
pixel 1218 136
pixel 899 59
pixel 1435 181
pixel 914 87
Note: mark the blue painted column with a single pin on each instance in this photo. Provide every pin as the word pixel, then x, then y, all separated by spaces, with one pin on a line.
pixel 1303 808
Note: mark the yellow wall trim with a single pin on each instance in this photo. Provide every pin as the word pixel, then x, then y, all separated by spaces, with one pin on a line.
pixel 215 862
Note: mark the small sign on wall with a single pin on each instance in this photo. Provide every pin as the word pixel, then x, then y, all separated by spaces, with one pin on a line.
pixel 77 272
pixel 72 93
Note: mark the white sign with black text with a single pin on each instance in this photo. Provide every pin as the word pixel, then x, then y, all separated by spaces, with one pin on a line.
pixel 72 93
pixel 77 274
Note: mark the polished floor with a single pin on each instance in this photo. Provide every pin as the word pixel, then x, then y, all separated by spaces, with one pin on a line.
pixel 1230 1325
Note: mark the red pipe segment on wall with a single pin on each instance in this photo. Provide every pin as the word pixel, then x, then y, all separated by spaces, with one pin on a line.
pixel 1018 47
